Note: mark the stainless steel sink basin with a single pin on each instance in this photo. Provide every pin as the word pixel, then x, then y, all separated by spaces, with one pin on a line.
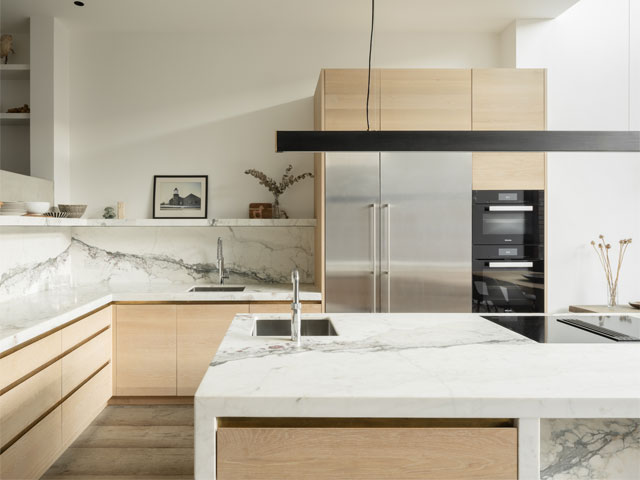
pixel 216 288
pixel 311 327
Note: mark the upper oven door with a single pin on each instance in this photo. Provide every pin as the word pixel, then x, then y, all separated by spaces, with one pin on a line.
pixel 508 218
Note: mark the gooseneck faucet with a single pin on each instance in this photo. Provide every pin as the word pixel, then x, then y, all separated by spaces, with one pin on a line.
pixel 220 263
pixel 296 308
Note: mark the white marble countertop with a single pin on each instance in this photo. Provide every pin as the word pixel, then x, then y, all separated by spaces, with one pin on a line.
pixel 27 317
pixel 417 365
pixel 27 221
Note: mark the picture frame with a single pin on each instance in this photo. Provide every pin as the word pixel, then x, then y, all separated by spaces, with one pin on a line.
pixel 180 196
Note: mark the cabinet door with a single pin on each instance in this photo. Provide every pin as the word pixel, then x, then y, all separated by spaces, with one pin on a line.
pixel 201 328
pixel 146 350
pixel 511 170
pixel 430 99
pixel 345 100
pixel 509 99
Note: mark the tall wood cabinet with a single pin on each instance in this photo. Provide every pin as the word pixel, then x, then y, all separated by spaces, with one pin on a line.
pixel 436 99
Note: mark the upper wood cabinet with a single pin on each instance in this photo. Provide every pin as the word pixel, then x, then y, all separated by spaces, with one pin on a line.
pixel 201 329
pixel 345 99
pixel 511 170
pixel 425 99
pixel 509 99
pixel 146 350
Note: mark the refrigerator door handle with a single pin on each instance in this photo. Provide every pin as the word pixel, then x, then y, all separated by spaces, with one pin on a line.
pixel 374 247
pixel 387 207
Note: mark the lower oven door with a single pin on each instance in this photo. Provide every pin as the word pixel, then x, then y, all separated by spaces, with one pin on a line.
pixel 508 286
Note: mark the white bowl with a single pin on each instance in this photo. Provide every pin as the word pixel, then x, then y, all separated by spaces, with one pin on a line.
pixel 38 207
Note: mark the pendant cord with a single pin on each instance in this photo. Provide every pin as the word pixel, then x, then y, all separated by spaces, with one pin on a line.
pixel 373 10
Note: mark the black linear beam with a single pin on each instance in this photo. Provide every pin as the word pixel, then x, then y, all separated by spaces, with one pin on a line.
pixel 457 141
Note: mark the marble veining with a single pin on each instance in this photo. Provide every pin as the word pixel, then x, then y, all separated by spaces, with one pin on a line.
pixel 590 449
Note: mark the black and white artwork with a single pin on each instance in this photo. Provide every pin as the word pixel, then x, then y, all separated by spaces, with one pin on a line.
pixel 180 196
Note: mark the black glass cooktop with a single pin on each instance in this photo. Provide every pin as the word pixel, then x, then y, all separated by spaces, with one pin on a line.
pixel 572 328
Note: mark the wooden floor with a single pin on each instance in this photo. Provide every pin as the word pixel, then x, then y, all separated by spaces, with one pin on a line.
pixel 131 442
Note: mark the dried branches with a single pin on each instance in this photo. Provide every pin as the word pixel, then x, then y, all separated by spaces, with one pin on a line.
pixel 602 249
pixel 278 188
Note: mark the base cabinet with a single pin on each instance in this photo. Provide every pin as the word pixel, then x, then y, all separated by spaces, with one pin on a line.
pixel 367 453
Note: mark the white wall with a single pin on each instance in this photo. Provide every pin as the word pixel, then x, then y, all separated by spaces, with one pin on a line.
pixel 586 51
pixel 151 103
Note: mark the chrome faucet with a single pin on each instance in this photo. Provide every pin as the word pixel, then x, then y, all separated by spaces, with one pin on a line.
pixel 222 275
pixel 296 308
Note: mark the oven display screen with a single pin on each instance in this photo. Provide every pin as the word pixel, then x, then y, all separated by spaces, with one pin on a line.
pixel 508 197
pixel 508 252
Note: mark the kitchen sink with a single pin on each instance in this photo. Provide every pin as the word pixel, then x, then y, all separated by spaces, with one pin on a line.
pixel 216 288
pixel 279 327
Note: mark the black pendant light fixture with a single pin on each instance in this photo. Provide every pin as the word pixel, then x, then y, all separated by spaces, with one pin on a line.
pixel 453 141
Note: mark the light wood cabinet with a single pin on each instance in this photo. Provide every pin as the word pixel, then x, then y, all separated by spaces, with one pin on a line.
pixel 79 410
pixel 200 329
pixel 365 453
pixel 283 307
pixel 83 329
pixel 516 171
pixel 345 99
pixel 146 350
pixel 22 362
pixel 509 99
pixel 82 362
pixel 24 404
pixel 425 99
pixel 35 451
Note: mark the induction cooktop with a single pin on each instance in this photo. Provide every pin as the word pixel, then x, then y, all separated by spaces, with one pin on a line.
pixel 572 328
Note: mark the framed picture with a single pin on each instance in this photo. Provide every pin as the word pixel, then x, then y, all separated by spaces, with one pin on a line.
pixel 180 196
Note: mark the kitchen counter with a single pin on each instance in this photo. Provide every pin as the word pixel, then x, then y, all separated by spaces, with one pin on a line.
pixel 414 366
pixel 30 316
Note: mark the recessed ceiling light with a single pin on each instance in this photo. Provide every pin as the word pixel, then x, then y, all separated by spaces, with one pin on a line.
pixel 78 3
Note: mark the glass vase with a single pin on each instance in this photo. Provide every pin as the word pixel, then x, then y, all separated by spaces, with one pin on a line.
pixel 612 296
pixel 275 207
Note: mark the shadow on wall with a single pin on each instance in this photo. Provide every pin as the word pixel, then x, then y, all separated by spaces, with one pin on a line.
pixel 223 149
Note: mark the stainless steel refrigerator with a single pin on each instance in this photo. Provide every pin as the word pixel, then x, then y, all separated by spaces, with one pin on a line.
pixel 398 232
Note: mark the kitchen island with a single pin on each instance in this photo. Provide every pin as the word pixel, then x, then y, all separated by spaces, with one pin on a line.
pixel 438 367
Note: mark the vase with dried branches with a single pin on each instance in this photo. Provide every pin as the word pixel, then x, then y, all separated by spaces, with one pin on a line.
pixel 611 272
pixel 277 189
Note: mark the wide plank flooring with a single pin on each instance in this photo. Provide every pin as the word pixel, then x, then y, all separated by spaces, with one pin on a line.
pixel 131 442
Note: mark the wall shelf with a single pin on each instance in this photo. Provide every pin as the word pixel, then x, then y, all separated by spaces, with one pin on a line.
pixel 20 71
pixel 26 221
pixel 15 118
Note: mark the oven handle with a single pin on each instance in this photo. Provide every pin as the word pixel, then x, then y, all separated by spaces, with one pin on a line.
pixel 510 264
pixel 511 208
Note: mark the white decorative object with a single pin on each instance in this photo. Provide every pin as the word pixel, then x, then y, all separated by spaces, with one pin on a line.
pixel 38 208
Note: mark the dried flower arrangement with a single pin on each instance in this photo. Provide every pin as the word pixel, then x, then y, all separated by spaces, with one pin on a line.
pixel 602 249
pixel 276 188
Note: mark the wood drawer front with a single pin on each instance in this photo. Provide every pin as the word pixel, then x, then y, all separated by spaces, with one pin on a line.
pixel 22 362
pixel 201 328
pixel 81 408
pixel 345 99
pixel 509 99
pixel 81 363
pixel 514 171
pixel 83 329
pixel 146 349
pixel 25 403
pixel 425 99
pixel 367 453
pixel 283 307
pixel 35 451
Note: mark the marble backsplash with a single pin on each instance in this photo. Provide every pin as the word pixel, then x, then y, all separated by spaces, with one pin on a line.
pixel 590 449
pixel 35 259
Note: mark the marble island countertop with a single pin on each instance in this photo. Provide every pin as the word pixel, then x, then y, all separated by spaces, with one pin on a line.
pixel 29 316
pixel 417 365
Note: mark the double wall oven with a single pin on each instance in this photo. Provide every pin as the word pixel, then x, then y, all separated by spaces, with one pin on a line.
pixel 508 251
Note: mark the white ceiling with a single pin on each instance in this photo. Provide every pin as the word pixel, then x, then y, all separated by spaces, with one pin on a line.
pixel 281 15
